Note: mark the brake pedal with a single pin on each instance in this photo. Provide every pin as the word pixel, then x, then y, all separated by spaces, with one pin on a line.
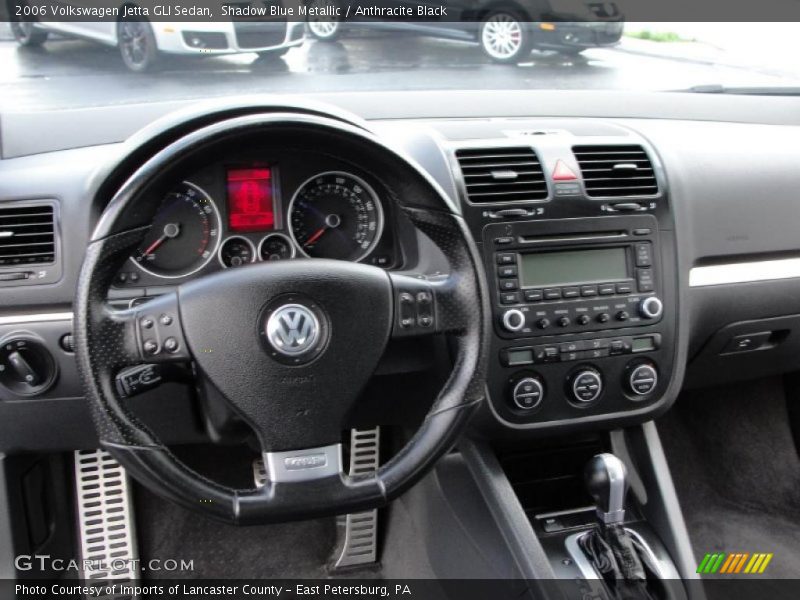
pixel 105 518
pixel 360 544
pixel 359 537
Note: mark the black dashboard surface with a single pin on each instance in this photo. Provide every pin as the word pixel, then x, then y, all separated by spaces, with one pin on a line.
pixel 730 167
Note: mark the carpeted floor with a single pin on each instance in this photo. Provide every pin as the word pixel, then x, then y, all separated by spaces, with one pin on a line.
pixel 737 471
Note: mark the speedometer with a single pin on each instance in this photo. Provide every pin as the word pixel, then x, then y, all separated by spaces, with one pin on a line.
pixel 183 236
pixel 336 215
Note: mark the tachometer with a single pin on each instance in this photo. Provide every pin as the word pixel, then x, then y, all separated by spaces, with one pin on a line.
pixel 184 234
pixel 336 215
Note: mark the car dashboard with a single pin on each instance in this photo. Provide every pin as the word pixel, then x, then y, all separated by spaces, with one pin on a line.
pixel 622 254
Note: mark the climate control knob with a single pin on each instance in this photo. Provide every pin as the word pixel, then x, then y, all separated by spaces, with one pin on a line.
pixel 513 319
pixel 527 393
pixel 651 307
pixel 586 386
pixel 642 379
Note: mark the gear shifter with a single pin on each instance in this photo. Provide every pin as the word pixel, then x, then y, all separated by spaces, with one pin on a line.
pixel 610 547
pixel 606 480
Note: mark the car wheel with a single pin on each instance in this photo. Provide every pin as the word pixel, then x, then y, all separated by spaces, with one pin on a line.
pixel 137 45
pixel 323 28
pixel 27 35
pixel 504 37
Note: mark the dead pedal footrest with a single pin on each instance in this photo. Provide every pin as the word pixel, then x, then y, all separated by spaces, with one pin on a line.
pixel 105 518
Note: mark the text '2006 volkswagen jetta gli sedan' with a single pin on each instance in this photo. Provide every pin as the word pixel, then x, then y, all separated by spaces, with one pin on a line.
pixel 384 318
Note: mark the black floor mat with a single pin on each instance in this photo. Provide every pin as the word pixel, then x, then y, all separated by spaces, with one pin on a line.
pixel 166 531
pixel 737 472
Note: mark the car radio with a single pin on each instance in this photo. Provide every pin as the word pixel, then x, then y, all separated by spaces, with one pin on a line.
pixel 551 280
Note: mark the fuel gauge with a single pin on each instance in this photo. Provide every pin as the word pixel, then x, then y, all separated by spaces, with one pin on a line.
pixel 236 251
pixel 275 247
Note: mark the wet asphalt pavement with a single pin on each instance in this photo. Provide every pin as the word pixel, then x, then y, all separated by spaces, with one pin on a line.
pixel 71 73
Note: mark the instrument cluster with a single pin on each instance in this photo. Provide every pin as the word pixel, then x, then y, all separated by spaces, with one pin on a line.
pixel 237 213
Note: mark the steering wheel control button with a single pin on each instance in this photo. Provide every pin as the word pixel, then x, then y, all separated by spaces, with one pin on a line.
pixel 416 310
pixel 527 393
pixel 159 329
pixel 513 319
pixel 586 386
pixel 642 379
pixel 135 380
pixel 651 308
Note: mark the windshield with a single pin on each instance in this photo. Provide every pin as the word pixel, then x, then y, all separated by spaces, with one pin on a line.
pixel 51 64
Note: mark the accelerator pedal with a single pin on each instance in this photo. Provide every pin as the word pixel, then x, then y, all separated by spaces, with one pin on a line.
pixel 105 518
pixel 360 530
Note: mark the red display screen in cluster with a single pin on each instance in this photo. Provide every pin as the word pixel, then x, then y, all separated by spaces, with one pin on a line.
pixel 250 201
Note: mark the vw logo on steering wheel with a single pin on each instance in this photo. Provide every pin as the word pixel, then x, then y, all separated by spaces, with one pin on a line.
pixel 293 330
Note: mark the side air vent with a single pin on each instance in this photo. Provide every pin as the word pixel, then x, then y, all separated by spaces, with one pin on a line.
pixel 502 174
pixel 616 171
pixel 27 234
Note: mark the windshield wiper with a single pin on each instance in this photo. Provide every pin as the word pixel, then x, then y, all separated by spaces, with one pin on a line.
pixel 716 88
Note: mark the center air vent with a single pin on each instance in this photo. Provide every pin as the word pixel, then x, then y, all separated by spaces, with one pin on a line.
pixel 502 174
pixel 27 235
pixel 616 171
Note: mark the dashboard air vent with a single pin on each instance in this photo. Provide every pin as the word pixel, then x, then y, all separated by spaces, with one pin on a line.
pixel 27 235
pixel 502 174
pixel 616 171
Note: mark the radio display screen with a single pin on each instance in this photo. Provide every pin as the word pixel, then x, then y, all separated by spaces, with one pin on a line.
pixel 567 267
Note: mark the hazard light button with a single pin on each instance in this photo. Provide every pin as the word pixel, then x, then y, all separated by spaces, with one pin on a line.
pixel 562 172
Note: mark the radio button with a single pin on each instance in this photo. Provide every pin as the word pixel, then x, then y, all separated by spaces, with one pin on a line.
pixel 552 293
pixel 503 241
pixel 588 290
pixel 644 280
pixel 642 232
pixel 533 295
pixel 602 318
pixel 570 292
pixel 543 323
pixel 622 315
pixel 583 320
pixel 509 271
pixel 563 322
pixel 644 256
pixel 508 285
pixel 624 288
pixel 506 258
pixel 606 289
pixel 513 319
pixel 509 298
pixel 651 308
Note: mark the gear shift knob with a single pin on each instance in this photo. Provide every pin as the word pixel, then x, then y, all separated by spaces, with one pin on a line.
pixel 606 481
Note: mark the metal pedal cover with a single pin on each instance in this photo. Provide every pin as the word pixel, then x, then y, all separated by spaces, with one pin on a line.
pixel 360 545
pixel 105 518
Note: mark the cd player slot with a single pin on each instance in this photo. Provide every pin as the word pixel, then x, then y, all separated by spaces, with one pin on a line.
pixel 578 237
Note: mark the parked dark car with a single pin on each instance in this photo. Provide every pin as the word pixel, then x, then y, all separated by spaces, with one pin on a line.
pixel 505 31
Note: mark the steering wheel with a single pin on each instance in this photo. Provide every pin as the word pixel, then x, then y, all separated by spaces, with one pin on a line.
pixel 289 344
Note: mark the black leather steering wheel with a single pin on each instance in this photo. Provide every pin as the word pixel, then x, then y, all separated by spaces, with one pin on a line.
pixel 290 345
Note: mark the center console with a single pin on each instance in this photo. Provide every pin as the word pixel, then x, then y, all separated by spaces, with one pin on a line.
pixel 582 277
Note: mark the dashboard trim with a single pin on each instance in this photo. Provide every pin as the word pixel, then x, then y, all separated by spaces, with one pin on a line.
pixel 36 318
pixel 744 272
